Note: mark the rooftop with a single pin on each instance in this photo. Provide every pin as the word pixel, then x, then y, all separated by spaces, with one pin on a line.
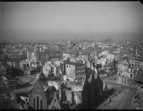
pixel 16 58
pixel 73 63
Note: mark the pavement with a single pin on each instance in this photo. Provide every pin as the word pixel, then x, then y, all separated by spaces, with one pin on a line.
pixel 122 100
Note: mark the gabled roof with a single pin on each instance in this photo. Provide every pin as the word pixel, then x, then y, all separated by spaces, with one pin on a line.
pixel 36 86
pixel 23 86
pixel 55 101
pixel 16 58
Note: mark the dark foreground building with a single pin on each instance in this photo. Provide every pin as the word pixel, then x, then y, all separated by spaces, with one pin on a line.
pixel 91 91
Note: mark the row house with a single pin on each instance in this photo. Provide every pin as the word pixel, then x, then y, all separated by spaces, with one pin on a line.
pixel 15 61
pixel 136 63
pixel 42 56
pixel 74 71
pixel 125 74
pixel 37 56
pixel 31 56
pixel 140 63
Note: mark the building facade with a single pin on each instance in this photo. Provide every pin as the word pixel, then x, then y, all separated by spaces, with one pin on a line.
pixel 125 74
pixel 75 71
pixel 42 56
pixel 134 63
pixel 37 98
pixel 138 98
pixel 54 103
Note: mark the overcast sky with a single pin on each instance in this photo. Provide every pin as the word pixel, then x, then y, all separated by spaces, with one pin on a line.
pixel 71 20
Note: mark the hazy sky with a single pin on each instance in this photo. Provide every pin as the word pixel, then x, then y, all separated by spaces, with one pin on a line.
pixel 71 20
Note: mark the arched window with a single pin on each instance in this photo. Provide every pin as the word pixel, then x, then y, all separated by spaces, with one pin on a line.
pixel 34 102
pixel 37 102
pixel 41 104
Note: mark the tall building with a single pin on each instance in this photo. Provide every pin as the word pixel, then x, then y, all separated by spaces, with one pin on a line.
pixel 75 71
pixel 134 63
pixel 125 74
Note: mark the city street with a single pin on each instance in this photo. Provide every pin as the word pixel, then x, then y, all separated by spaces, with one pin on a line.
pixel 124 100
pixel 111 83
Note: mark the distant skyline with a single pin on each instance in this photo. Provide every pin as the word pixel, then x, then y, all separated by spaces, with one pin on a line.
pixel 43 21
